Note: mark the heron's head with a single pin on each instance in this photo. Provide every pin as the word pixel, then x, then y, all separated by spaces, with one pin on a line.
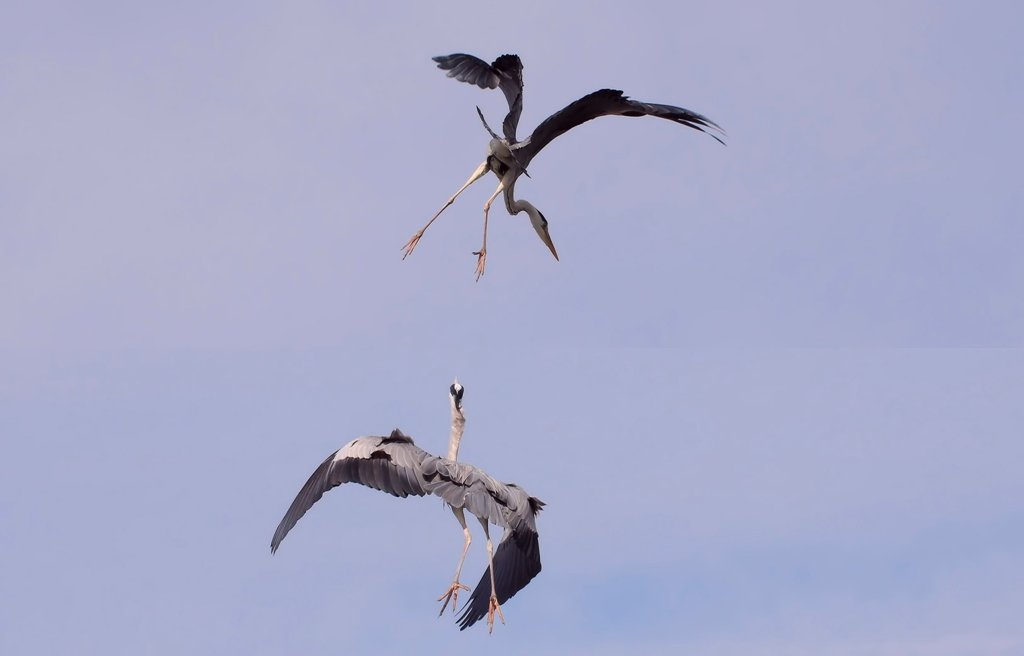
pixel 540 224
pixel 455 393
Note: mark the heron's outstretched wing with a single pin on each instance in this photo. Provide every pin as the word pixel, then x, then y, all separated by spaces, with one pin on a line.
pixel 516 561
pixel 393 464
pixel 608 102
pixel 505 73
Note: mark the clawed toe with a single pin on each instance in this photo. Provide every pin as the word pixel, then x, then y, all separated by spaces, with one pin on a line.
pixel 481 262
pixel 410 245
pixel 452 594
pixel 493 607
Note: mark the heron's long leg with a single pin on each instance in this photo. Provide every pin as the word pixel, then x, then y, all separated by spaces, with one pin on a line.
pixel 482 253
pixel 452 594
pixel 477 174
pixel 492 605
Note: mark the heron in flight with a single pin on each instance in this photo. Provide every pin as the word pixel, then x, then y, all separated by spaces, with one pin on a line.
pixel 508 158
pixel 394 464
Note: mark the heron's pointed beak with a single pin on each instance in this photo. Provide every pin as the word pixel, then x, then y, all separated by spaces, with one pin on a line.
pixel 546 238
pixel 540 224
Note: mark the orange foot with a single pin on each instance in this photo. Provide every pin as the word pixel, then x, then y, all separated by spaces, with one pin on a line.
pixel 491 608
pixel 481 261
pixel 410 245
pixel 451 595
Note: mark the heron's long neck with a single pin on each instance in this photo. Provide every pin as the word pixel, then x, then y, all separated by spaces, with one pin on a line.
pixel 520 205
pixel 458 425
pixel 516 205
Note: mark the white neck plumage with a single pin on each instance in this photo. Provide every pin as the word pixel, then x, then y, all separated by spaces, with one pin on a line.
pixel 458 425
pixel 537 220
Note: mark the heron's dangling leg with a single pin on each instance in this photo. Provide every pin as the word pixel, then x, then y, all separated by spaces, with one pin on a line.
pixel 493 605
pixel 452 594
pixel 477 174
pixel 481 255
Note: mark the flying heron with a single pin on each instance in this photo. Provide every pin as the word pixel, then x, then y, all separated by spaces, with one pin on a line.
pixel 394 464
pixel 508 158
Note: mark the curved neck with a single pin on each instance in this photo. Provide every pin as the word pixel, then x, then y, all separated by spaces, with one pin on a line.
pixel 516 205
pixel 520 205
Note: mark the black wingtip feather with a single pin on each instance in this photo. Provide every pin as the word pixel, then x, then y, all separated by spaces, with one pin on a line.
pixel 313 489
pixel 516 563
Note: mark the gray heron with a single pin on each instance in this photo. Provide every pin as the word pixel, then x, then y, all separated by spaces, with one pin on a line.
pixel 394 464
pixel 508 158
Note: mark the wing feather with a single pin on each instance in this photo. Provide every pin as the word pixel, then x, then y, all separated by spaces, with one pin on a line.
pixel 516 563
pixel 395 465
pixel 390 464
pixel 608 102
pixel 506 73
pixel 465 486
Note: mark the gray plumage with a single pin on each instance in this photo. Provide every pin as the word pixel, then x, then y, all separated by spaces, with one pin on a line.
pixel 608 102
pixel 508 158
pixel 505 73
pixel 516 561
pixel 394 464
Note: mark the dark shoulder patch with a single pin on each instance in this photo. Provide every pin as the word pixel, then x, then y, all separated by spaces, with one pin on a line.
pixel 396 436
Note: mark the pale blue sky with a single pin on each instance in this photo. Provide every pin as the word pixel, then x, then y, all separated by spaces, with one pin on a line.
pixel 771 393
